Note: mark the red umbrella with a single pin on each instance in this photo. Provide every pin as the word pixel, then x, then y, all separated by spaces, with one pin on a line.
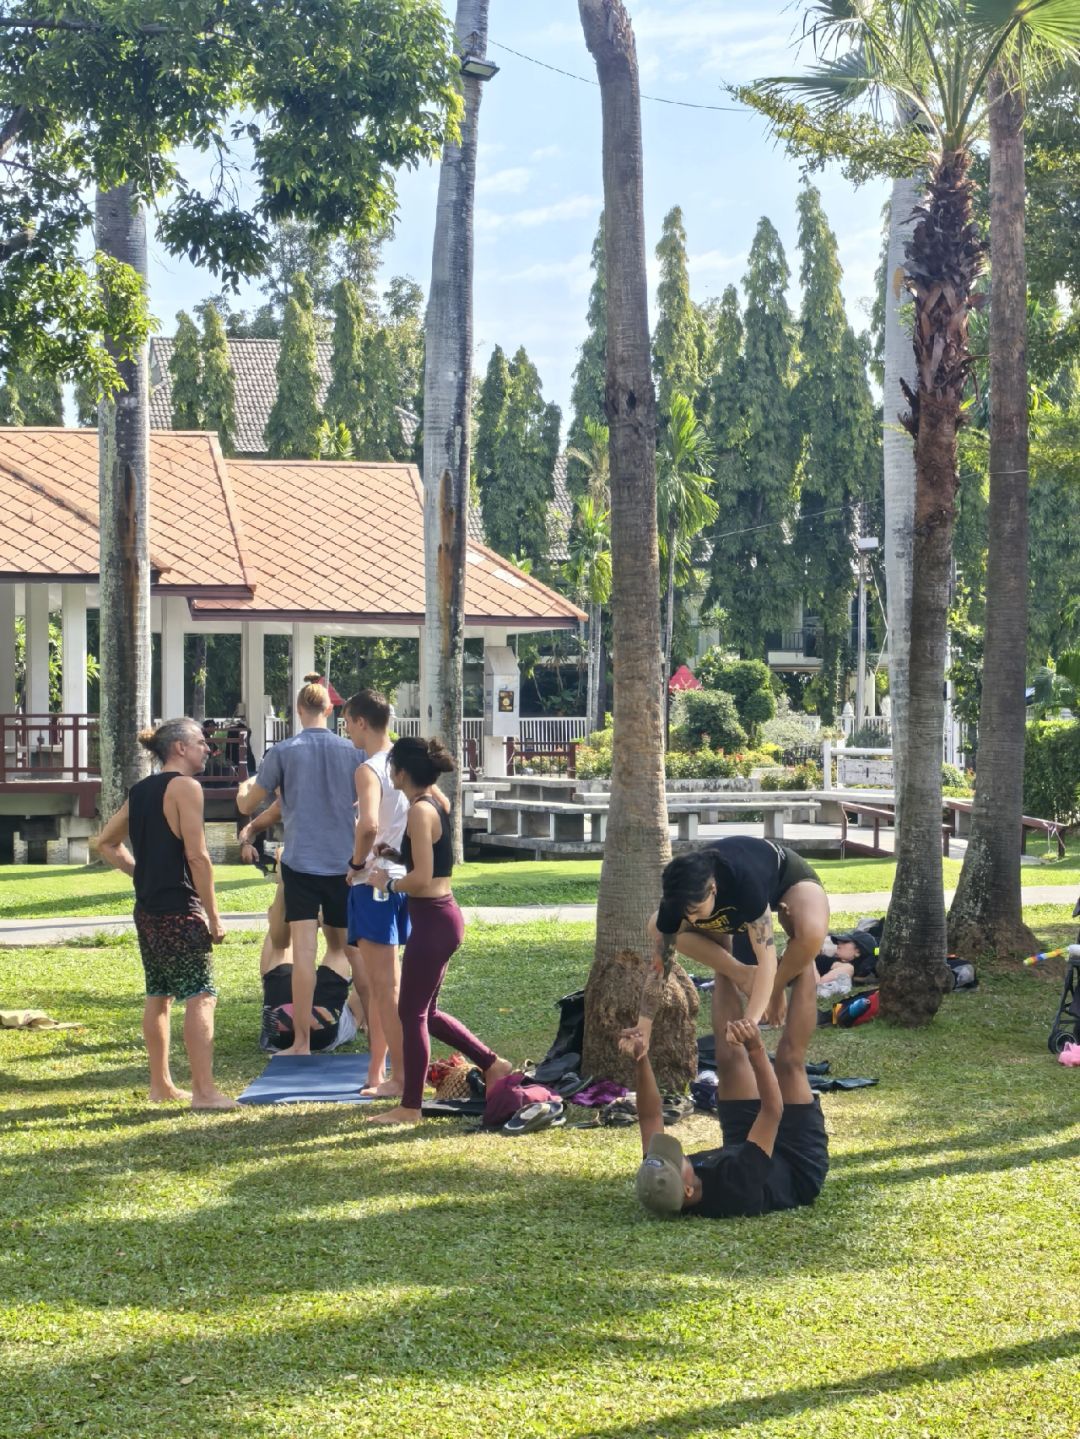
pixel 683 679
pixel 335 698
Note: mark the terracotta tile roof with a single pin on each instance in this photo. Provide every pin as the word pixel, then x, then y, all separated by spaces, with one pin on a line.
pixel 319 549
pixel 254 365
pixel 49 509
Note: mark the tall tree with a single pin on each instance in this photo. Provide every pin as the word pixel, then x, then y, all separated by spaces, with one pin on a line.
pixel 447 417
pixel 490 421
pixel 638 844
pixel 676 357
pixel 685 506
pixel 380 436
pixel 517 487
pixel 751 576
pixel 292 427
pixel 124 525
pixel 587 393
pixel 345 397
pixel 590 556
pixel 937 59
pixel 834 418
pixel 987 911
pixel 185 367
pixel 30 396
pixel 218 382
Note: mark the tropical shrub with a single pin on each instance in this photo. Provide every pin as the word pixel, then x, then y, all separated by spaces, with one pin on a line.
pixel 707 719
pixel 749 682
pixel 1052 770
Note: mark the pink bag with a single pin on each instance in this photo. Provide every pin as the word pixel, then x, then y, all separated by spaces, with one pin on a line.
pixel 509 1094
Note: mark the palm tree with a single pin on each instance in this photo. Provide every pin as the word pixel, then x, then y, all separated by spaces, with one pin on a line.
pixel 124 524
pixel 934 57
pixel 589 571
pixel 638 842
pixel 448 330
pixel 685 507
pixel 590 543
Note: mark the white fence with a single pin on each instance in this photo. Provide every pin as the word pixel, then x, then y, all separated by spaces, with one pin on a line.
pixel 554 729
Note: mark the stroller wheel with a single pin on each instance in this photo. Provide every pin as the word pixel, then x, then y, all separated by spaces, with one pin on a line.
pixel 1061 1036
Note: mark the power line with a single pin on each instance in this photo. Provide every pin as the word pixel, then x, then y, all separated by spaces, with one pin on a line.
pixel 585 80
pixel 777 524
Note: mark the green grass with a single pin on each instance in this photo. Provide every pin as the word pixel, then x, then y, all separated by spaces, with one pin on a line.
pixel 42 891
pixel 283 1272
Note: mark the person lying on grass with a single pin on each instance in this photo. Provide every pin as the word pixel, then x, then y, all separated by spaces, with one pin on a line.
pixel 775 1153
pixel 731 886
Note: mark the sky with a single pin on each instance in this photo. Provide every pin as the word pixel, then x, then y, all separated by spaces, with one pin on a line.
pixel 539 184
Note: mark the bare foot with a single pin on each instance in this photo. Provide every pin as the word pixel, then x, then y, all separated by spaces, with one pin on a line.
pixel 168 1093
pixel 397 1115
pixel 497 1071
pixel 214 1100
pixel 385 1089
pixel 776 1012
pixel 293 1049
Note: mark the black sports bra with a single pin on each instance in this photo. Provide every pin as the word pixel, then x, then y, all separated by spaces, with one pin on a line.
pixel 442 850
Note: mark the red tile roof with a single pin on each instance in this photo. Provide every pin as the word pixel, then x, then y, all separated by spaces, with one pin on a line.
pixel 261 539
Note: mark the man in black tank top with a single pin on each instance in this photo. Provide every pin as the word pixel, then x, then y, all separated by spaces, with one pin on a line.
pixel 176 915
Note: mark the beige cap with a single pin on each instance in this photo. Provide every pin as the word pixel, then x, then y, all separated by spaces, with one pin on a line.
pixel 660 1185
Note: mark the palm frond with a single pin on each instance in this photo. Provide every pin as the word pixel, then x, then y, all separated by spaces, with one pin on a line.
pixel 1055 21
pixel 833 86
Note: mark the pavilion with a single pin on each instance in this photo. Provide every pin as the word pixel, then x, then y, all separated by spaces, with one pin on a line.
pixel 254 547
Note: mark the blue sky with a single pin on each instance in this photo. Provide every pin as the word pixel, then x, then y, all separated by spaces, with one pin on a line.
pixel 539 181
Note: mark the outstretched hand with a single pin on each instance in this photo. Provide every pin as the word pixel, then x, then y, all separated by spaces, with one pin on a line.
pixel 634 1042
pixel 744 1032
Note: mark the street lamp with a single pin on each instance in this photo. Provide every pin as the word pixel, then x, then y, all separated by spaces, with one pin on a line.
pixel 477 68
pixel 866 545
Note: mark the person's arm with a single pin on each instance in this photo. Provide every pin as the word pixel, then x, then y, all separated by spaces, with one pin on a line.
pixel 188 796
pixel 269 817
pixel 764 946
pixel 111 846
pixel 368 796
pixel 763 1130
pixel 250 796
pixel 838 968
pixel 652 986
pixel 422 834
pixel 650 1106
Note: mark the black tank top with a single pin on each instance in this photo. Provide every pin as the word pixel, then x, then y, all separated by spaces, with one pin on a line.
pixel 442 850
pixel 162 877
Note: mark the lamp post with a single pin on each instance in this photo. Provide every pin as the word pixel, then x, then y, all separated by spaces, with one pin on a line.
pixel 866 545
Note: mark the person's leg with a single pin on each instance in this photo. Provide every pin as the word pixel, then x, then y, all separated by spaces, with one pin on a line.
pixel 421 973
pixel 451 1031
pixel 380 962
pixel 199 1042
pixel 304 938
pixel 277 931
pixel 803 912
pixel 155 1027
pixel 795 1040
pixel 736 1078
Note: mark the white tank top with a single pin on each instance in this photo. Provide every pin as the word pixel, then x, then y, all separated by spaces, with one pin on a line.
pixel 393 809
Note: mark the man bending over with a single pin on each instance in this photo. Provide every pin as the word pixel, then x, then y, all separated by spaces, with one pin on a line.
pixel 775 1153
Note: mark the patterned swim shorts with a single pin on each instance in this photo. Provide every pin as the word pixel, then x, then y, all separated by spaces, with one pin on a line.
pixel 176 954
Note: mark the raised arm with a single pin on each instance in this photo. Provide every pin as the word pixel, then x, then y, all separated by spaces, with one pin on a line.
pixel 763 1130
pixel 111 846
pixel 656 977
pixel 764 945
pixel 650 1106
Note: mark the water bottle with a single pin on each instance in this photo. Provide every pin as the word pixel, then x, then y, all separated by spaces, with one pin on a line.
pixel 381 896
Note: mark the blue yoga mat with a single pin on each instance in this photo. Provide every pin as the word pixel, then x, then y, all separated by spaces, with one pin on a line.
pixel 310 1079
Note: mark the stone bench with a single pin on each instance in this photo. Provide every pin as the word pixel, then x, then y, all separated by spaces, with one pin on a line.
pixel 565 820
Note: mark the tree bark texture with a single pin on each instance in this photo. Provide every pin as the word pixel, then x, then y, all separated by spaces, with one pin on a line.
pixel 448 336
pixel 124 528
pixel 638 843
pixel 612 994
pixel 898 453
pixel 943 260
pixel 987 913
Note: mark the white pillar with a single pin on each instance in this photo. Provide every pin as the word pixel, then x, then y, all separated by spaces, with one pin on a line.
pixel 173 622
pixel 303 661
pixel 73 670
pixel 7 649
pixel 253 680
pixel 37 649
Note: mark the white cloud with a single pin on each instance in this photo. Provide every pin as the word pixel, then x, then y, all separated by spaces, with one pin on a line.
pixel 574 207
pixel 546 152
pixel 713 262
pixel 512 181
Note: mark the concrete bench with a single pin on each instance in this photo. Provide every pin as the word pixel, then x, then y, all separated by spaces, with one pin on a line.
pixel 565 820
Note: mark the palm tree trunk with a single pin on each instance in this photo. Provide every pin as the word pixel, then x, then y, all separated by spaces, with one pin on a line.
pixel 987 913
pixel 198 688
pixel 669 631
pixel 124 510
pixel 592 689
pixel 638 843
pixel 943 260
pixel 898 454
pixel 448 333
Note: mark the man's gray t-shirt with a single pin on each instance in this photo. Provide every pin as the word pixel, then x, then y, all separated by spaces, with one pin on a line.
pixel 315 772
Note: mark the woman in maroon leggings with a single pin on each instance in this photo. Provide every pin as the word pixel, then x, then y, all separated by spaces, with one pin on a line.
pixel 437 924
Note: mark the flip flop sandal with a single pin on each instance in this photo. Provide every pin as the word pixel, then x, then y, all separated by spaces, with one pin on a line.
pixel 532 1117
pixel 619 1114
pixel 676 1107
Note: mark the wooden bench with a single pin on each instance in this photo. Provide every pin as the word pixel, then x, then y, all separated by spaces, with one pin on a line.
pixel 960 809
pixel 879 815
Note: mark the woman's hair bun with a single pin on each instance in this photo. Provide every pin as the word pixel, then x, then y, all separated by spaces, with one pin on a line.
pixel 440 756
pixel 313 679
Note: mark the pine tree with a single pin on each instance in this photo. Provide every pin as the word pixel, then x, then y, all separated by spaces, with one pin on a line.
pixel 185 366
pixel 345 397
pixel 676 357
pixel 28 396
pixel 292 430
pixel 380 436
pixel 490 411
pixel 753 575
pixel 519 486
pixel 834 419
pixel 590 373
pixel 218 382
pixel 11 411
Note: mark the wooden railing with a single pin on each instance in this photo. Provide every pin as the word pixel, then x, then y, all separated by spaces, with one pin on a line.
pixel 49 746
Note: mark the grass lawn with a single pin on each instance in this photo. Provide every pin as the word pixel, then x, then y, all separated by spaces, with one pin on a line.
pixel 283 1272
pixel 40 891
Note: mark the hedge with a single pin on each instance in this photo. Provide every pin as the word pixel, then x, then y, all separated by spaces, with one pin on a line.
pixel 1052 770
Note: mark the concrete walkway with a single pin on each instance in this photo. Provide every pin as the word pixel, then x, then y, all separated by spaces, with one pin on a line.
pixel 20 933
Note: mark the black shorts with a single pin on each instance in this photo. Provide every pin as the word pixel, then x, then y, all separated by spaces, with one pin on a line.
pixel 795 870
pixel 331 994
pixel 307 894
pixel 801 1143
